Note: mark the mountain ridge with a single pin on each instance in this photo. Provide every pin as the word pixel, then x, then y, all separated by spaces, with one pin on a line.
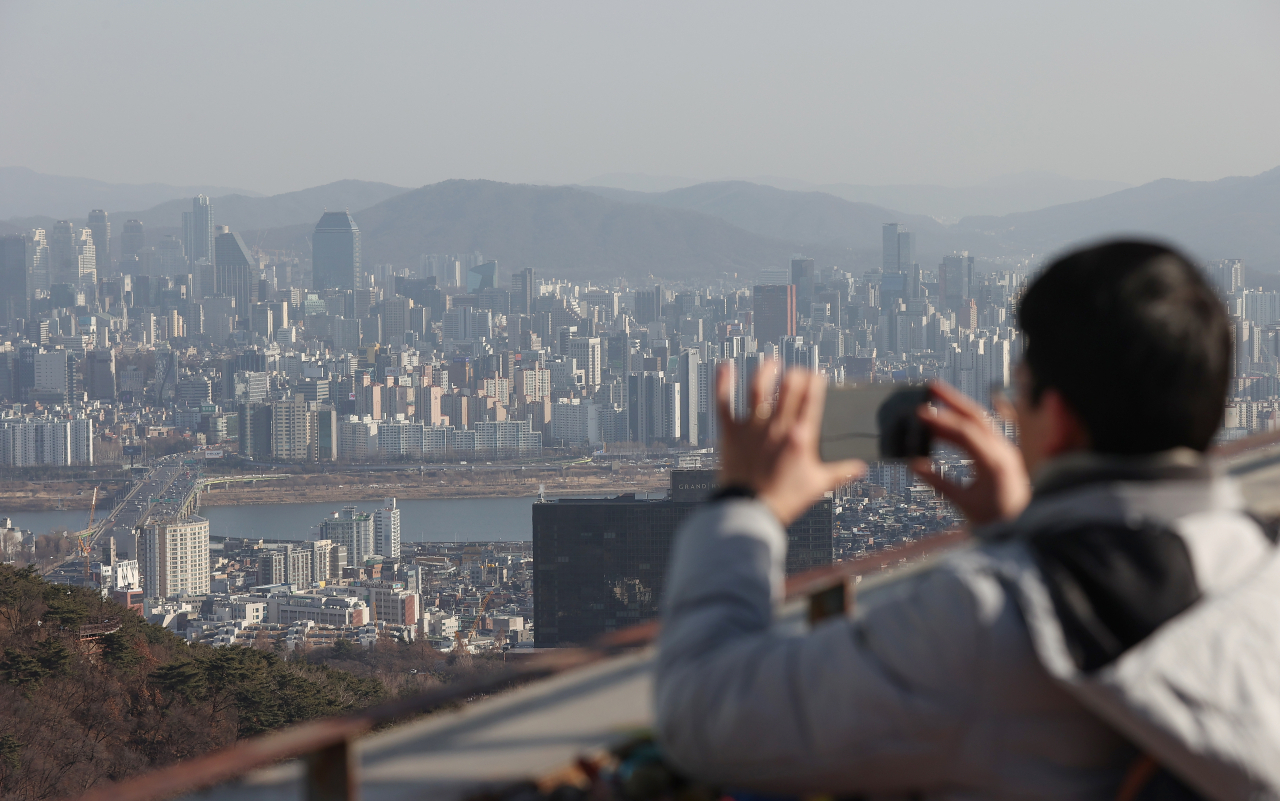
pixel 27 193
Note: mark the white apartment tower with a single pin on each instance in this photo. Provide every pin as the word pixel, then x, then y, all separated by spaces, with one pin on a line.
pixel 386 530
pixel 173 556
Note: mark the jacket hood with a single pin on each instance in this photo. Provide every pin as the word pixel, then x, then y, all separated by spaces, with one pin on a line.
pixel 1154 598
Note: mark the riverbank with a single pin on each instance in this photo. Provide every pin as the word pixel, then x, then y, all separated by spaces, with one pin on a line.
pixel 335 488
pixel 351 485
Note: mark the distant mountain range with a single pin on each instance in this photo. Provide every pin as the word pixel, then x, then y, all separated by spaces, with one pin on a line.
pixel 712 229
pixel 27 193
pixel 1229 218
pixel 803 218
pixel 1007 194
pixel 561 231
pixel 291 208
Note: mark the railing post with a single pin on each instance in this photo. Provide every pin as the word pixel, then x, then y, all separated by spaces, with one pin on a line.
pixel 829 602
pixel 332 774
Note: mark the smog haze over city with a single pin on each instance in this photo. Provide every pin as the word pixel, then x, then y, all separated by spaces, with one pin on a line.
pixel 355 353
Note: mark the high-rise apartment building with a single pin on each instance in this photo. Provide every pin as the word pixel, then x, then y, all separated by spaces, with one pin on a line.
pixel 602 562
pixel 236 272
pixel 290 431
pixel 255 428
pixel 396 313
pixel 100 225
pixel 774 312
pixel 587 351
pixel 198 231
pixel 100 374
pixel 691 395
pixel 335 252
pixel 386 530
pixel 173 556
pixel 353 530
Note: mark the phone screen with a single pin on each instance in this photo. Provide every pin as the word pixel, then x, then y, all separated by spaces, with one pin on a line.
pixel 876 422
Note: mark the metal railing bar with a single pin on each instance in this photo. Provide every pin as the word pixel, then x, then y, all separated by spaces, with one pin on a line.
pixel 308 738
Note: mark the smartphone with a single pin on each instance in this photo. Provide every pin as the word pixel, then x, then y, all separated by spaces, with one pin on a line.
pixel 876 422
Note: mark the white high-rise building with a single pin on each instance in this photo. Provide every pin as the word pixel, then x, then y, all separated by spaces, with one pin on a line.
pixel 173 556
pixel 386 530
pixel 352 530
pixel 290 431
pixel 587 352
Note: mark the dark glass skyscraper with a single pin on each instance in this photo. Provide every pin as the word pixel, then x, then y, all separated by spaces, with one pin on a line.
pixel 133 239
pixel 13 277
pixel 600 564
pixel 335 252
pixel 235 272
pixel 773 312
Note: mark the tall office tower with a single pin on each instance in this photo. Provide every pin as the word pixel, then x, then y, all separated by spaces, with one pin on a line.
pixel 14 290
pixel 352 530
pixel 386 530
pixel 101 228
pixel 167 258
pixel 173 556
pixel 198 232
pixel 234 270
pixel 899 248
pixel 900 279
pixel 774 312
pixel 100 374
pixel 955 279
pixel 692 395
pixel 132 239
pixel 335 252
pixel 37 261
pixel 803 278
pixel 648 305
pixel 482 276
pixel 603 560
pixel 522 291
pixel 645 402
pixel 72 256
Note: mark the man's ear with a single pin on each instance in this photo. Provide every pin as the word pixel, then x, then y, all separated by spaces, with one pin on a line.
pixel 1066 432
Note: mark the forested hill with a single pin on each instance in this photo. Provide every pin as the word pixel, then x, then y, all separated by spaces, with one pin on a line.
pixel 73 717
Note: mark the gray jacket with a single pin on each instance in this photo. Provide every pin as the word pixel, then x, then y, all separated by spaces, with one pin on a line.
pixel 963 680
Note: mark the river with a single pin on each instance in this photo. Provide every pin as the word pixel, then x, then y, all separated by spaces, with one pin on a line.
pixel 428 520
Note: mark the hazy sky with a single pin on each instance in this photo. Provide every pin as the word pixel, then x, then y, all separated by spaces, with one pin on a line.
pixel 276 96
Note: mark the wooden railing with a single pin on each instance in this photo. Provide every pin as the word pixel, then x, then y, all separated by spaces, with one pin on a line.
pixel 331 772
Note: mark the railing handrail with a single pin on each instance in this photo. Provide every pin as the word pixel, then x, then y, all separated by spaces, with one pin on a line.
pixel 306 738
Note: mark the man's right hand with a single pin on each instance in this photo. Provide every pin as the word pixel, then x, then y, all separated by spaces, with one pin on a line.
pixel 1001 488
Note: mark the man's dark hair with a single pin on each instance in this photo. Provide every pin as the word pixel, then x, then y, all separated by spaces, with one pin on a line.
pixel 1137 343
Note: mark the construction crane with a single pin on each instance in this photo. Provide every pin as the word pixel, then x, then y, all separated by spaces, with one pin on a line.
pixel 458 638
pixel 85 539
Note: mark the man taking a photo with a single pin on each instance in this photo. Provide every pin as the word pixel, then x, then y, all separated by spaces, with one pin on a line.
pixel 1113 632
